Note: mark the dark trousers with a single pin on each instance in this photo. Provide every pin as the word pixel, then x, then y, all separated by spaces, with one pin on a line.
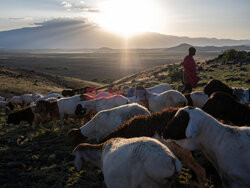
pixel 187 87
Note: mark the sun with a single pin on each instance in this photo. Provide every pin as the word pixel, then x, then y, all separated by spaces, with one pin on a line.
pixel 128 17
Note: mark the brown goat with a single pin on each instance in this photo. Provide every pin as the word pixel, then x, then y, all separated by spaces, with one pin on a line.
pixel 142 94
pixel 223 106
pixel 144 125
pixel 47 108
pixel 188 158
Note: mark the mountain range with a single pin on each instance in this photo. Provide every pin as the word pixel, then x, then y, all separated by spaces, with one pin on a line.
pixel 80 34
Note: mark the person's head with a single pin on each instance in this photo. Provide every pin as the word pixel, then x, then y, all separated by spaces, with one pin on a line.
pixel 192 51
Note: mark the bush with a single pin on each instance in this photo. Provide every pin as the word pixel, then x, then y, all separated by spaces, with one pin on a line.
pixel 175 74
pixel 233 54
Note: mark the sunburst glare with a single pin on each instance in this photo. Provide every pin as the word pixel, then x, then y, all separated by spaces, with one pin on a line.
pixel 128 17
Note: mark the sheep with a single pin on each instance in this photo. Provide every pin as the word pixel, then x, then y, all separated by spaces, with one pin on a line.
pixel 240 94
pixel 72 92
pixel 60 108
pixel 138 126
pixel 135 162
pixel 5 104
pixel 103 103
pixel 104 122
pixel 2 98
pixel 155 89
pixel 24 114
pixel 50 96
pixel 27 99
pixel 36 96
pixel 224 106
pixel 103 94
pixel 15 101
pixel 226 147
pixel 196 99
pixel 157 102
pixel 143 125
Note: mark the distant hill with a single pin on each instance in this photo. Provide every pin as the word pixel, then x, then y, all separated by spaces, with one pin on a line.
pixel 78 34
pixel 183 48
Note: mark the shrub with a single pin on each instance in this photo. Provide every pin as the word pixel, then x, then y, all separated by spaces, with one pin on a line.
pixel 233 54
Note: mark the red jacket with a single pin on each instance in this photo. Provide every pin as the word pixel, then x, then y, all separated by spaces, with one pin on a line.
pixel 190 70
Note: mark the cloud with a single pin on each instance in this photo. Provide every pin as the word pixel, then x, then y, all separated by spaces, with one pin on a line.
pixel 57 22
pixel 20 18
pixel 66 4
pixel 93 10
pixel 79 6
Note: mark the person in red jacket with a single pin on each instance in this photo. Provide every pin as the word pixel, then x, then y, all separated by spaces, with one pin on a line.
pixel 190 79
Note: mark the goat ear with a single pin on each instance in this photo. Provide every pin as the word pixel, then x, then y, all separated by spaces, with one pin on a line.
pixel 192 128
pixel 78 161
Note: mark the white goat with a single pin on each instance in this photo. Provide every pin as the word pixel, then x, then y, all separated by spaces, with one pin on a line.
pixel 2 98
pixel 99 104
pixel 49 96
pixel 226 147
pixel 135 162
pixel 160 88
pixel 36 96
pixel 103 94
pixel 197 99
pixel 27 99
pixel 106 121
pixel 16 100
pixel 155 89
pixel 157 102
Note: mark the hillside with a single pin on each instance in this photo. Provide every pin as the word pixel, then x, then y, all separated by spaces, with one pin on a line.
pixel 20 81
pixel 234 73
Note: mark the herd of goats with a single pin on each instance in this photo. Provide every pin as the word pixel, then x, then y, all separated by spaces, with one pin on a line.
pixel 141 138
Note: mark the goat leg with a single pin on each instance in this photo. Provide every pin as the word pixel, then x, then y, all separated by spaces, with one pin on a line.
pixel 187 157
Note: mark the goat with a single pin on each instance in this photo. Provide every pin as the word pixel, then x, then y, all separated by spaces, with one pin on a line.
pixel 157 102
pixel 5 104
pixel 240 94
pixel 50 96
pixel 15 101
pixel 142 125
pixel 155 89
pixel 99 104
pixel 104 122
pixel 224 106
pixel 196 99
pixel 72 92
pixel 24 114
pixel 135 162
pixel 60 108
pixel 226 147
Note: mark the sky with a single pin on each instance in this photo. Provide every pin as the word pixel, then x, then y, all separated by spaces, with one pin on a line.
pixel 192 18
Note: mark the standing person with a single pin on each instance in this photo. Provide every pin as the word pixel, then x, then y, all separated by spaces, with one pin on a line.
pixel 190 79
